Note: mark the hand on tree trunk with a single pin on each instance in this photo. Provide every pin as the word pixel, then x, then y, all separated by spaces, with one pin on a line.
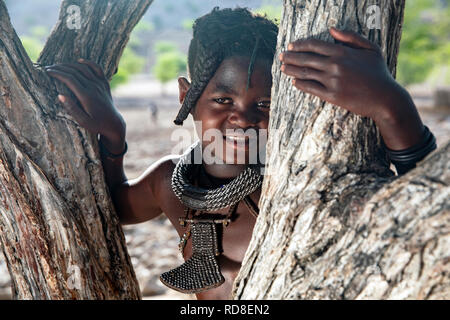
pixel 94 109
pixel 353 74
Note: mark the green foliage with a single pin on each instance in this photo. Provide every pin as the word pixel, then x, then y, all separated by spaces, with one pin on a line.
pixel 34 41
pixel 135 41
pixel 424 47
pixel 144 26
pixel 170 63
pixel 270 10
pixel 32 46
pixel 40 32
pixel 130 63
pixel 187 24
pixel 142 29
pixel 164 47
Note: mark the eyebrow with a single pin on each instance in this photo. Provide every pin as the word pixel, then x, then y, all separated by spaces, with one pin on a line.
pixel 225 88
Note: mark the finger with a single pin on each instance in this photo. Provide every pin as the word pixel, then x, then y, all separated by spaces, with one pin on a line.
pixel 82 118
pixel 95 67
pixel 310 86
pixel 314 45
pixel 71 71
pixel 305 59
pixel 303 73
pixel 353 39
pixel 70 81
pixel 84 69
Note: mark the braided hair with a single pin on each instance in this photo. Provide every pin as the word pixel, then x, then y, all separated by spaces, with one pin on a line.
pixel 221 34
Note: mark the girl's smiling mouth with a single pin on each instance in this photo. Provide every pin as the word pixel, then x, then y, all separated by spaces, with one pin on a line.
pixel 240 141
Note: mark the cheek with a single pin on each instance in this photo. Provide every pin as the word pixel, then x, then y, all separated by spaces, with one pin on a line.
pixel 206 120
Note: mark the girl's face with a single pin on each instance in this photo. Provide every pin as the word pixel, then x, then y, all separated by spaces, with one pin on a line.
pixel 229 112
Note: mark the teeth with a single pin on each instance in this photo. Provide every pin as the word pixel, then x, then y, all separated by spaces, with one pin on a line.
pixel 234 138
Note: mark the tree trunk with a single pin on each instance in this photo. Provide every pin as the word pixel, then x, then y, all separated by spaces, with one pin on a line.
pixel 335 223
pixel 58 229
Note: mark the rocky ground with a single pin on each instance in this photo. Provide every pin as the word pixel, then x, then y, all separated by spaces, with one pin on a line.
pixel 153 245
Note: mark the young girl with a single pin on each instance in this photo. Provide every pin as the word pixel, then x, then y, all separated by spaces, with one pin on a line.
pixel 213 206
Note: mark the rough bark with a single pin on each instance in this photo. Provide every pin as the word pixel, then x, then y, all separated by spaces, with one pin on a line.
pixel 58 229
pixel 335 223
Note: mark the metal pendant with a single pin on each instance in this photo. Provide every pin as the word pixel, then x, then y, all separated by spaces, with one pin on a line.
pixel 201 271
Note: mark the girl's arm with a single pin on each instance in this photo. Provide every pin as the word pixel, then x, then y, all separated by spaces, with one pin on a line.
pixel 353 74
pixel 134 201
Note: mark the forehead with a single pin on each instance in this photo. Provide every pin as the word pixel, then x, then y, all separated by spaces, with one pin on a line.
pixel 233 72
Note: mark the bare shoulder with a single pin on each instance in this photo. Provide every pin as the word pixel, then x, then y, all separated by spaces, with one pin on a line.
pixel 159 173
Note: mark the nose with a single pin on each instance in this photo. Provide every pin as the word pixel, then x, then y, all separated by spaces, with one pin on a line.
pixel 243 117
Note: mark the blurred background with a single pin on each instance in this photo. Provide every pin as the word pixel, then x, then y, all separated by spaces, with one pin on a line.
pixel 145 91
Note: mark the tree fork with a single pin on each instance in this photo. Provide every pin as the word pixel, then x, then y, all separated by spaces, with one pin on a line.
pixel 59 231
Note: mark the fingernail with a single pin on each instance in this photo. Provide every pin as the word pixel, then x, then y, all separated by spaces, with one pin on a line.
pixel 290 46
pixel 281 56
pixel 61 98
pixel 282 67
pixel 80 60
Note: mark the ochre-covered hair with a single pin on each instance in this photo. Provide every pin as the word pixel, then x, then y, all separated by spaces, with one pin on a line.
pixel 221 34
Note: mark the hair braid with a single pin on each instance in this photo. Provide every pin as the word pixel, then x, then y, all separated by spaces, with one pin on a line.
pixel 221 34
pixel 206 61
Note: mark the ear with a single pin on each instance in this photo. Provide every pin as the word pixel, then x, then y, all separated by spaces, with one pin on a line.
pixel 183 87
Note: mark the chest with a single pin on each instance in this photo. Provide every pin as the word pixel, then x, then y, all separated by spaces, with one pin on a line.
pixel 232 240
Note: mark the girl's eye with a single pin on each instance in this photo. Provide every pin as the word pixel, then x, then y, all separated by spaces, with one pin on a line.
pixel 264 104
pixel 223 100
